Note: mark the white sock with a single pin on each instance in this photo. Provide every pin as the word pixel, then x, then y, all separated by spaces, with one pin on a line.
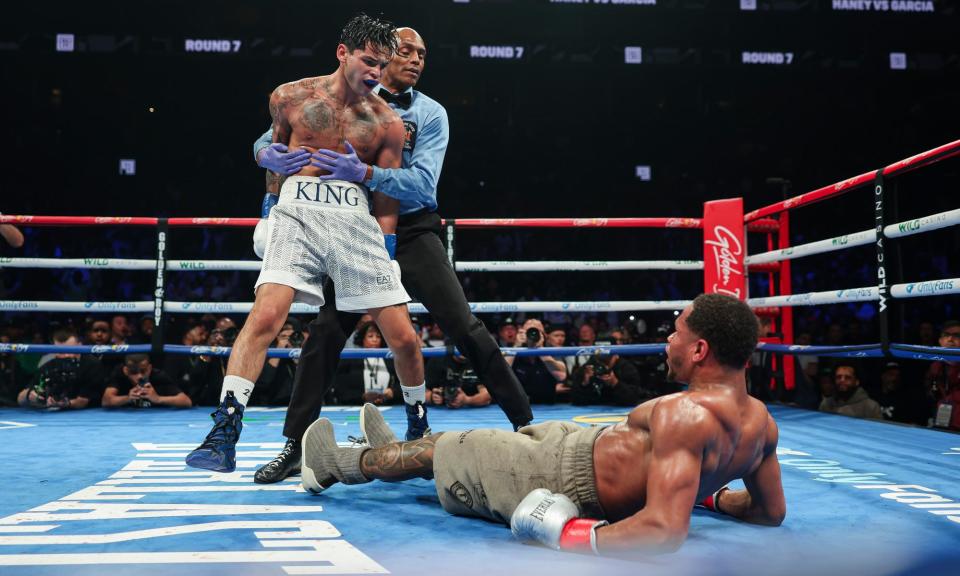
pixel 414 394
pixel 241 388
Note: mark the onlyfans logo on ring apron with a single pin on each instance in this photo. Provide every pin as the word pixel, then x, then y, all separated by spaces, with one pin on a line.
pixel 727 251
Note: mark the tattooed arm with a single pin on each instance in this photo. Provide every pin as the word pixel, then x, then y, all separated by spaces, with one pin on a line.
pixel 385 208
pixel 281 131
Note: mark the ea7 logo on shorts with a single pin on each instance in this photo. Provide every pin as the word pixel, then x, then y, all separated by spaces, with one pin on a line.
pixel 384 279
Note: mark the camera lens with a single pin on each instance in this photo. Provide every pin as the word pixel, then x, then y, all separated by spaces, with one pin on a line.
pixel 533 335
pixel 296 339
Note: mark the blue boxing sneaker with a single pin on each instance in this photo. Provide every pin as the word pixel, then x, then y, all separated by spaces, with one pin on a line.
pixel 219 449
pixel 417 426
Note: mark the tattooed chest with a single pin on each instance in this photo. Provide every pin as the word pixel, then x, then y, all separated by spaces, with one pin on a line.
pixel 321 125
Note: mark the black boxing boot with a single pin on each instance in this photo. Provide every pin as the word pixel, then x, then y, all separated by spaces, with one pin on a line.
pixel 287 463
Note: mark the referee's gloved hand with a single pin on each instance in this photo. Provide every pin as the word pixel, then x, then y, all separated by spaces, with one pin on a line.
pixel 346 166
pixel 276 158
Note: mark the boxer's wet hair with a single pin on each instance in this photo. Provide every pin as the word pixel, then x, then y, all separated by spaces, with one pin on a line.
pixel 728 325
pixel 362 29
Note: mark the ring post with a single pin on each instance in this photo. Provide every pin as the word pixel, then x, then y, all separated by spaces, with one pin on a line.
pixel 156 349
pixel 724 248
pixel 883 286
pixel 786 312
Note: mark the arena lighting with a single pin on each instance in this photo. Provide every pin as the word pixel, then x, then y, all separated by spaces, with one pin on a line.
pixel 898 61
pixel 65 42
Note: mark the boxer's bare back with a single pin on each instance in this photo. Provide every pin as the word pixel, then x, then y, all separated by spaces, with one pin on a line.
pixel 724 432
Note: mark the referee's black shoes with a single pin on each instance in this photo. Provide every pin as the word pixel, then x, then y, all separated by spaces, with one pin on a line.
pixel 287 463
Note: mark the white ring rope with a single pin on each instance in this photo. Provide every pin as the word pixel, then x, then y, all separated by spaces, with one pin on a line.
pixel 79 263
pixel 476 307
pixel 298 308
pixel 897 230
pixel 819 247
pixel 865 294
pixel 255 265
pixel 54 306
pixel 578 265
pixel 924 224
pixel 221 265
pixel 869 293
pixel 928 288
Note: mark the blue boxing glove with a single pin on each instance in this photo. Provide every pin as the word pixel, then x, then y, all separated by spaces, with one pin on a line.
pixel 553 520
pixel 269 201
pixel 260 232
pixel 390 243
pixel 347 166
pixel 277 159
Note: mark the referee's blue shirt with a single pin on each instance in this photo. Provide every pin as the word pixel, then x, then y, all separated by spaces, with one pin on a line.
pixel 428 132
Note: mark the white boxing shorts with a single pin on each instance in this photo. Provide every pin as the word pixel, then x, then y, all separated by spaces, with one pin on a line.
pixel 321 229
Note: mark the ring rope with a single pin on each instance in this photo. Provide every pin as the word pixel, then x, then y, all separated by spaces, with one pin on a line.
pixel 579 265
pixel 858 351
pixel 576 222
pixel 897 230
pixel 863 294
pixel 464 223
pixel 80 263
pixel 300 308
pixel 819 247
pixel 923 224
pixel 922 159
pixel 255 265
pixel 479 266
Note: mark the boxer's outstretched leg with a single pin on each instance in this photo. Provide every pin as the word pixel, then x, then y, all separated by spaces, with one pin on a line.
pixel 400 460
pixel 325 463
pixel 394 324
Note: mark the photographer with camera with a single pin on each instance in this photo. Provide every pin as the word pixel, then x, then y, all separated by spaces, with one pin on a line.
pixel 64 381
pixel 452 382
pixel 363 380
pixel 542 377
pixel 206 375
pixel 275 383
pixel 138 385
pixel 608 380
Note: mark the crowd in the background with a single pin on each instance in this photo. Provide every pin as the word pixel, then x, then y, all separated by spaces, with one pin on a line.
pixel 908 392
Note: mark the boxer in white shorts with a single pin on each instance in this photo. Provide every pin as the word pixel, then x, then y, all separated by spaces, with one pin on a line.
pixel 323 228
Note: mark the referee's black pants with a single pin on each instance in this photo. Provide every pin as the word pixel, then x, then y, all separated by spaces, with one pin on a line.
pixel 428 276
